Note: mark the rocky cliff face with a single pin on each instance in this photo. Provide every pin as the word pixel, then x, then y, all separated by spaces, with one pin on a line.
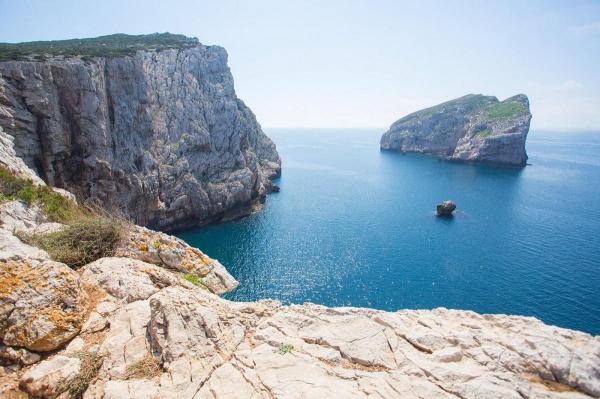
pixel 473 128
pixel 159 135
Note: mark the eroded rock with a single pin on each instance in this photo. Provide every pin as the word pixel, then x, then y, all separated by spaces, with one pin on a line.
pixel 41 304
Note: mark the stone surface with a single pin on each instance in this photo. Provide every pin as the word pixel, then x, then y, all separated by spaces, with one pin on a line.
pixel 445 208
pixel 22 357
pixel 171 252
pixel 208 347
pixel 41 303
pixel 44 379
pixel 9 158
pixel 161 136
pixel 16 216
pixel 473 128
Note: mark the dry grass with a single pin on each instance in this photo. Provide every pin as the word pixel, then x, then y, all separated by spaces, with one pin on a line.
pixel 82 241
pixel 76 387
pixel 148 367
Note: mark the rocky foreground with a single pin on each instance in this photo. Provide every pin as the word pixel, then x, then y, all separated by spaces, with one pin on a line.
pixel 130 326
pixel 157 135
pixel 473 128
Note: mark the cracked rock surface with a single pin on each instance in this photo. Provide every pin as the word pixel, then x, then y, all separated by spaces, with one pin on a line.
pixel 159 136
pixel 208 347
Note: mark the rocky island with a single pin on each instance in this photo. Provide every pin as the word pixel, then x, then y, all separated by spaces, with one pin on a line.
pixel 93 306
pixel 473 128
pixel 147 125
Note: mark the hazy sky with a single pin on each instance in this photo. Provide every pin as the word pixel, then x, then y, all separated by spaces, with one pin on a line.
pixel 363 63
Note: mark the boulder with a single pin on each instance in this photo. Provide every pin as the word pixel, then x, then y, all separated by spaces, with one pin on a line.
pixel 445 208
pixel 41 304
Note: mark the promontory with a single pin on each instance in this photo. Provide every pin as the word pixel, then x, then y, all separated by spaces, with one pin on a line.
pixel 472 128
pixel 148 125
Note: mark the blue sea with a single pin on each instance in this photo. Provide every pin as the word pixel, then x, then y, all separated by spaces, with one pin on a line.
pixel 353 226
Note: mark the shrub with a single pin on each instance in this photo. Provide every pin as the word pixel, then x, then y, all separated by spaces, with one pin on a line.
pixel 54 205
pixel 505 109
pixel 194 279
pixel 82 241
pixel 285 348
pixel 116 45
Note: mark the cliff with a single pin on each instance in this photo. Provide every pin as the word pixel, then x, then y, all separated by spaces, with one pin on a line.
pixel 147 125
pixel 473 128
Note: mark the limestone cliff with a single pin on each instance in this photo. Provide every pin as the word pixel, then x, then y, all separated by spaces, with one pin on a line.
pixel 157 134
pixel 473 128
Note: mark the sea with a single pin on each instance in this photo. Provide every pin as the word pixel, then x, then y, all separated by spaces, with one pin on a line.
pixel 356 226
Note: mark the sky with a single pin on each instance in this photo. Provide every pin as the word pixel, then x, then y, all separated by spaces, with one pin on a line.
pixel 363 63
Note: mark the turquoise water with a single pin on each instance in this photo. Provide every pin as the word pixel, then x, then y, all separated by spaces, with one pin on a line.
pixel 355 226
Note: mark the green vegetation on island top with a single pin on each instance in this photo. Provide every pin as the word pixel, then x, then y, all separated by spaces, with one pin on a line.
pixel 116 45
pixel 505 109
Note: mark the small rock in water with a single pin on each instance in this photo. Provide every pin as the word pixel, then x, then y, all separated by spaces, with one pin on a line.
pixel 445 208
pixel 275 188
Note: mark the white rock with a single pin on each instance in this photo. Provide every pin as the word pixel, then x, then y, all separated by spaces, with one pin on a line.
pixel 447 355
pixel 44 378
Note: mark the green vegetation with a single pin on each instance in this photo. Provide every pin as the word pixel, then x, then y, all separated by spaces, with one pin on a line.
pixel 505 109
pixel 116 45
pixel 194 279
pixel 484 133
pixel 75 388
pixel 156 244
pixel 82 241
pixel 54 205
pixel 285 348
pixel 147 368
pixel 89 234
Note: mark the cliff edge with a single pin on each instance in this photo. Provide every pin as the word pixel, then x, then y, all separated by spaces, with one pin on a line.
pixel 473 128
pixel 148 125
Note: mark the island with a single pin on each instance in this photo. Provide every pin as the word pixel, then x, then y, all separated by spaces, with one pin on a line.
pixel 472 128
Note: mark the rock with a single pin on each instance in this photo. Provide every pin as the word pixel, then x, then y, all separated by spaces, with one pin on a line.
pixel 445 208
pixel 94 323
pixel 127 279
pixel 473 128
pixel 208 346
pixel 275 189
pixel 160 136
pixel 171 252
pixel 41 304
pixel 44 379
pixel 16 216
pixel 448 355
pixel 13 248
pixel 11 356
pixel 9 158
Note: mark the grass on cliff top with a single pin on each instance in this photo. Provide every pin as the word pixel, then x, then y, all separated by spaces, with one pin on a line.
pixel 505 110
pixel 104 46
pixel 89 234
pixel 83 240
pixel 55 206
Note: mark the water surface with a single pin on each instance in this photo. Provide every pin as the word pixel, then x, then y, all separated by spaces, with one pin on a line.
pixel 356 226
